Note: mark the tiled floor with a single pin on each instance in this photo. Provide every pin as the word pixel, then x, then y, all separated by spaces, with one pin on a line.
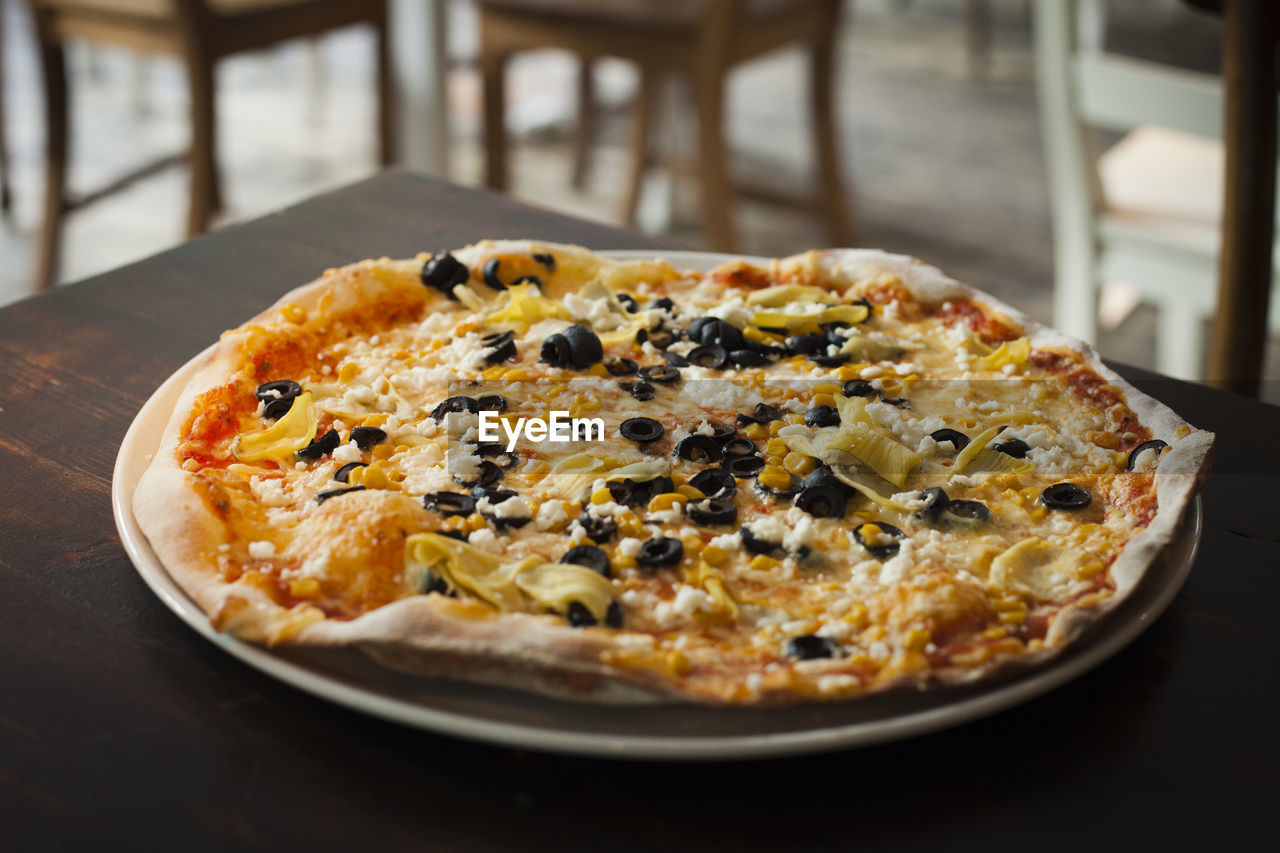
pixel 942 165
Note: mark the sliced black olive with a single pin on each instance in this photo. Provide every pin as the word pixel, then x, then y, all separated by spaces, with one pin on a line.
pixel 528 279
pixel 454 404
pixel 663 303
pixel 578 616
pixel 449 503
pixel 740 447
pixel 434 583
pixel 321 497
pixel 1154 444
pixel 713 511
pixel 712 356
pixel 547 259
pixel 697 326
pixel 613 616
pixel 662 338
pixel 492 340
pixel 879 550
pixel 629 302
pixel 771 350
pixel 675 359
pixel 343 474
pixel 821 501
pixel 366 437
pixel 318 447
pixel 622 491
pixel 491 274
pixel 714 483
pixel 811 647
pixel 486 475
pixel 642 391
pixel 822 416
pixel 971 512
pixel 699 448
pixel 632 493
pixel 589 556
pixel 280 389
pixel 824 476
pixel 899 402
pixel 745 467
pixel 600 529
pixel 722 333
pixel 935 501
pixel 762 414
pixel 585 348
pixel 277 409
pixel 620 366
pixel 444 272
pixel 805 344
pixel 958 439
pixel 500 352
pixel 663 373
pixel 722 432
pixel 748 358
pixel 491 403
pixel 1015 447
pixel 823 360
pixel 1065 496
pixel 832 333
pixel 859 388
pixel 863 301
pixel 555 351
pixel 754 544
pixel 641 430
pixel 492 495
pixel 660 551
pixel 793 488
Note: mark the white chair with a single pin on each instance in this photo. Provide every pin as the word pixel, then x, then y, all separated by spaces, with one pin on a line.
pixel 1146 212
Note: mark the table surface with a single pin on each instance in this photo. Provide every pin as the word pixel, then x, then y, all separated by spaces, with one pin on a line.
pixel 119 724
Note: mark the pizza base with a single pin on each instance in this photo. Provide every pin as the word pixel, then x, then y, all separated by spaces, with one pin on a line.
pixel 428 636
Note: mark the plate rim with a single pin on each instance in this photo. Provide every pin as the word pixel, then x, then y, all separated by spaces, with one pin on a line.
pixel 137 448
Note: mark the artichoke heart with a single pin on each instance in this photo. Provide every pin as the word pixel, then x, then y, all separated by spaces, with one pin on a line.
pixel 1035 568
pixel 525 305
pixel 572 476
pixel 872 486
pixel 979 459
pixel 712 582
pixel 292 432
pixel 882 454
pixel 810 318
pixel 785 294
pixel 554 586
pixel 1009 352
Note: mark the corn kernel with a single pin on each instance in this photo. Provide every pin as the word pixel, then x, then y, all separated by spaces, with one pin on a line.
pixel 995 632
pixel 678 663
pixel 775 427
pixel 348 371
pixel 1091 570
pixel 756 431
pixel 847 372
pixel 773 461
pixel 464 328
pixel 917 639
pixel 622 561
pixel 304 587
pixel 294 313
pixel 775 478
pixel 793 419
pixel 824 400
pixel 690 492
pixel 375 420
pixel 489 374
pixel 764 563
pixel 476 521
pixel 630 527
pixel 383 451
pixel 826 388
pixel 692 544
pixel 602 496
pixel 1013 617
pixel 437 344
pixel 516 374
pixel 401 448
pixel 665 501
pixel 714 555
pixel 455 522
pixel 798 463
pixel 775 447
pixel 599 370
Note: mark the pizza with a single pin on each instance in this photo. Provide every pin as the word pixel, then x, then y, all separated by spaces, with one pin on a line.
pixel 523 463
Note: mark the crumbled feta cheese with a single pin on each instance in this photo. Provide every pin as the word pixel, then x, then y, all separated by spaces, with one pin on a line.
pixel 262 550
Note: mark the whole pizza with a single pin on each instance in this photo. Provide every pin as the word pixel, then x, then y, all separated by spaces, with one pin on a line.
pixel 523 463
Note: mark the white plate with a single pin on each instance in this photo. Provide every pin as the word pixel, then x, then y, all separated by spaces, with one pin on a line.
pixel 673 732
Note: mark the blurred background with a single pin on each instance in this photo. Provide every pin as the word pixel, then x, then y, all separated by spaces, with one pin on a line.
pixel 938 128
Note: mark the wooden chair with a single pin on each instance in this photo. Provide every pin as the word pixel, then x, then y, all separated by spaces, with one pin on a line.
pixel 1148 211
pixel 702 39
pixel 199 33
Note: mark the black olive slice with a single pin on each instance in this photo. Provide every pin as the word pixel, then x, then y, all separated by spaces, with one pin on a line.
pixel 898 402
pixel 1015 447
pixel 493 496
pixel 555 351
pixel 711 356
pixel 811 647
pixel 822 416
pixel 491 403
pixel 449 503
pixel 859 388
pixel 318 447
pixel 486 475
pixel 434 583
pixel 585 348
pixel 675 359
pixel 804 344
pixel 745 467
pixel 343 474
pixel 824 360
pixel 613 616
pixel 831 331
pixel 722 432
pixel 878 549
pixel 277 409
pixel 935 501
pixel 821 501
pixel 958 439
pixel 762 414
pixel 1065 496
pixel 713 511
pixel 793 488
pixel 491 277
pixel 663 303
pixel 632 493
pixel 641 430
pixel 528 279
pixel 863 301
pixel 661 338
pixel 699 448
pixel 754 544
pixel 1154 444
pixel 629 302
pixel 366 437
pixel 547 259
pixel 321 497
pixel 748 358
pixel 500 352
pixel 740 447
pixel 714 483
pixel 620 366
pixel 642 391
pixel 660 551
pixel 663 373
pixel 970 512
pixel 600 529
pixel 444 272
pixel 589 556
pixel 824 476
pixel 578 616
pixel 697 327
pixel 280 389
pixel 722 333
pixel 458 403
pixel 492 340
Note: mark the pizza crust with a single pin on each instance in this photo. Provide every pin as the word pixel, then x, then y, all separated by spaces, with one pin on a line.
pixel 427 636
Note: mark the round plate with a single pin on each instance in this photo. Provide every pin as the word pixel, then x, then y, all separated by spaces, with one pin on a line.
pixel 666 731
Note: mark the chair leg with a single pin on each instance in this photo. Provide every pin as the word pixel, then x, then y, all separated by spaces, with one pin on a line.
pixel 387 118
pixel 200 76
pixel 641 156
pixel 835 204
pixel 53 65
pixel 1180 341
pixel 584 134
pixel 493 69
pixel 713 160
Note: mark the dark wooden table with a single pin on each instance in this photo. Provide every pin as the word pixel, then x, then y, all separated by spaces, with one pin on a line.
pixel 120 728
